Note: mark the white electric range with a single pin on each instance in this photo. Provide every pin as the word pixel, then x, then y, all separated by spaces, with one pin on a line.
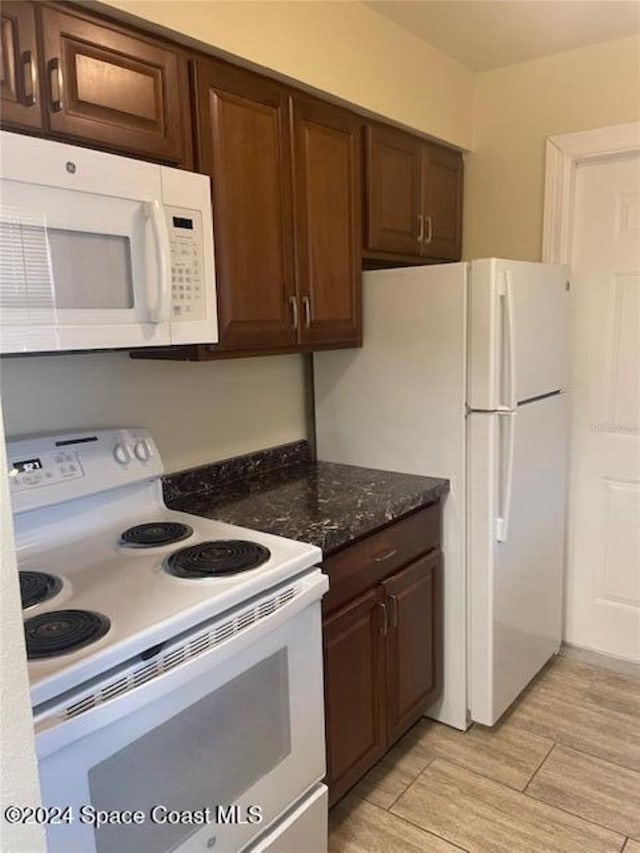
pixel 174 661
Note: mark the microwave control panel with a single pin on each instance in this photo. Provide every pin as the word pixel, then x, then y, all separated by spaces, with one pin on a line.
pixel 185 239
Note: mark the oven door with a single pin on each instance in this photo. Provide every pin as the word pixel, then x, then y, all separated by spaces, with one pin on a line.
pixel 209 753
pixel 83 270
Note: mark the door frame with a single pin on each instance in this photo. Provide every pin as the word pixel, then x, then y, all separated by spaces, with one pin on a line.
pixel 563 154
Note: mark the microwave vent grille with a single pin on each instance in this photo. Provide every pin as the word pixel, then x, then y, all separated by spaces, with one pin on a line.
pixel 26 282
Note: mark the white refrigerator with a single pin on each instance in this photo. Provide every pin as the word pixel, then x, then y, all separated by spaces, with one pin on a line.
pixel 463 374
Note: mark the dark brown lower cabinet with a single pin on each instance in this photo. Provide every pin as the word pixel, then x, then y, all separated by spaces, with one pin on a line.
pixel 412 599
pixel 354 691
pixel 382 666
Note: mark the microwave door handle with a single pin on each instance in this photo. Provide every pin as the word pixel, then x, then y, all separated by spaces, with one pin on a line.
pixel 160 307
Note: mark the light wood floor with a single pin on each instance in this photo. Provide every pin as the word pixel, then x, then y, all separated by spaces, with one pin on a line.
pixel 559 774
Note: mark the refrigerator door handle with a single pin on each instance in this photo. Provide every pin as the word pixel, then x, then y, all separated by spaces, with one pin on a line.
pixel 506 470
pixel 509 343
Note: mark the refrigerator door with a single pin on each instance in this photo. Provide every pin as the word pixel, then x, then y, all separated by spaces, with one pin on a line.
pixel 515 545
pixel 398 404
pixel 518 332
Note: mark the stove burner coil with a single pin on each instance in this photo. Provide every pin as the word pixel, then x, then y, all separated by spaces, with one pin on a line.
pixel 37 586
pixel 155 533
pixel 222 557
pixel 62 631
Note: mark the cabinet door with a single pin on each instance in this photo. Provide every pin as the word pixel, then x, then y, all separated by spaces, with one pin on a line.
pixel 414 648
pixel 243 143
pixel 442 203
pixel 19 87
pixel 109 88
pixel 354 691
pixel 393 191
pixel 327 199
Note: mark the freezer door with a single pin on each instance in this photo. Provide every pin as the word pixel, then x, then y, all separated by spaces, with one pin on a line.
pixel 516 507
pixel 518 345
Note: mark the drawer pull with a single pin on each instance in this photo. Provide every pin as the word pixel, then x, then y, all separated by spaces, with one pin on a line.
pixel 385 555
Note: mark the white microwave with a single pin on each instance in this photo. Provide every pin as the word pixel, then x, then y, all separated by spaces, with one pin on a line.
pixel 99 251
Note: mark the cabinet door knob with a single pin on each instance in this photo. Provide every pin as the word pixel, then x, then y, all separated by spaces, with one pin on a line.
pixel 30 80
pixel 294 308
pixel 393 599
pixel 429 236
pixel 385 619
pixel 306 304
pixel 56 83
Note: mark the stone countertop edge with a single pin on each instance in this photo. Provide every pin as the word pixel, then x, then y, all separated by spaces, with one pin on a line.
pixel 284 492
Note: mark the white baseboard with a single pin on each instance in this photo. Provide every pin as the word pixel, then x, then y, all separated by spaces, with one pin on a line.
pixel 625 667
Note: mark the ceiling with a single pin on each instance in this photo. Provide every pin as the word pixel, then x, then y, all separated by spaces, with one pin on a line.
pixel 484 34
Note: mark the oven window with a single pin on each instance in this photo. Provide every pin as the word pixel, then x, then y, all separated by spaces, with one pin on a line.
pixel 91 270
pixel 207 755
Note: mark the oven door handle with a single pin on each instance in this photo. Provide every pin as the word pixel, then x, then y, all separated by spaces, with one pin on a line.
pixel 54 731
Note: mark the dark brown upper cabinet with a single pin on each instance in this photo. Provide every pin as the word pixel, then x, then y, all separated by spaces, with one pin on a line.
pixel 442 176
pixel 285 172
pixel 394 191
pixel 243 144
pixel 413 197
pixel 327 169
pixel 20 83
pixel 114 89
pixel 297 213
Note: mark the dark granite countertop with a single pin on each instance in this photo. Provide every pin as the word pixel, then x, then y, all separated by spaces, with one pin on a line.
pixel 282 491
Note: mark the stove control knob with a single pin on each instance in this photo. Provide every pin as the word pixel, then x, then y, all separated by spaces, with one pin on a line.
pixel 121 454
pixel 142 451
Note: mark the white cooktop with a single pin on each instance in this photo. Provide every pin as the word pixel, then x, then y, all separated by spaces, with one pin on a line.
pixel 78 540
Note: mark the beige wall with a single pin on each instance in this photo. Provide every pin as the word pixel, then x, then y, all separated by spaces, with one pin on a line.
pixel 197 412
pixel 516 108
pixel 342 48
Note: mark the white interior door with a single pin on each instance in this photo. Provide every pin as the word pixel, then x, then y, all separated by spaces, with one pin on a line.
pixel 603 574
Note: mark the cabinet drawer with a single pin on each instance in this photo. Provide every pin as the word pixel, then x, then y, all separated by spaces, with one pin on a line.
pixel 358 567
